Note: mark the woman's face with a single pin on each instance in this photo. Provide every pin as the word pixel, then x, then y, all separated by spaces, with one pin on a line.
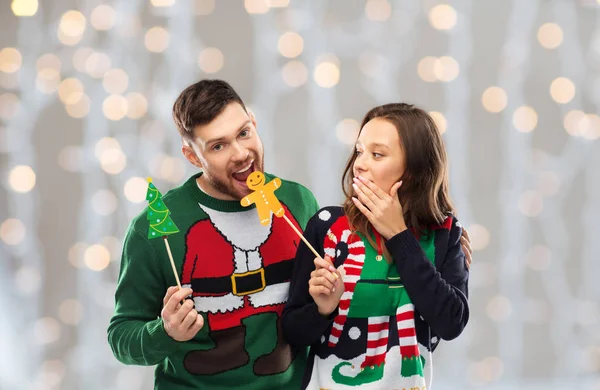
pixel 379 155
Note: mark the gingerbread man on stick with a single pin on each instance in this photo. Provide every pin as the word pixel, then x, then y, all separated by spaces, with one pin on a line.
pixel 266 202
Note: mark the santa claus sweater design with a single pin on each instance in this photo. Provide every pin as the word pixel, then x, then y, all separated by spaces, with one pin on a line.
pixel 239 271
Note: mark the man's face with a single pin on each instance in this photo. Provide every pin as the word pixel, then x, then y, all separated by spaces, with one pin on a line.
pixel 228 150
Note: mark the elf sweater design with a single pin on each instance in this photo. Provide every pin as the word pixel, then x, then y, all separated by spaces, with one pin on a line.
pixel 389 315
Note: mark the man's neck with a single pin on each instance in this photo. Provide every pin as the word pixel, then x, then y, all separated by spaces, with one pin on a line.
pixel 210 191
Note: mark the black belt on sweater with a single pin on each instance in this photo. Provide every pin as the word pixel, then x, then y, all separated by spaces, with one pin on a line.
pixel 247 283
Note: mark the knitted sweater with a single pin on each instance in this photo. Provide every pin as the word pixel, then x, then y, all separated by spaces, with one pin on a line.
pixel 239 271
pixel 390 316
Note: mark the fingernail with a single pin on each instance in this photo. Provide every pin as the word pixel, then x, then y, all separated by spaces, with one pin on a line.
pixel 333 289
pixel 354 185
pixel 332 269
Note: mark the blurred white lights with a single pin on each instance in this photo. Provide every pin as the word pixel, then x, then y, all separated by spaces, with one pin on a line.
pixel 327 74
pixel 440 121
pixel 96 257
pixel 442 17
pixel 103 17
pixel 12 231
pixel 135 189
pixel 550 35
pixel 480 237
pixel 378 10
pixel 347 131
pixel 294 73
pixel 525 119
pixel 70 312
pixel 24 7
pixel 10 60
pixel 211 60
pixel 290 45
pixel 22 178
pixel 494 99
pixel 562 90
pixel 156 39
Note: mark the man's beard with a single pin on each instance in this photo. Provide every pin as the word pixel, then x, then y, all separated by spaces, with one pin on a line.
pixel 227 188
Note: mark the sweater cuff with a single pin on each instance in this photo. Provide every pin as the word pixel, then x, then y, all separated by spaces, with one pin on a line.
pixel 333 314
pixel 329 317
pixel 319 320
pixel 159 338
pixel 403 245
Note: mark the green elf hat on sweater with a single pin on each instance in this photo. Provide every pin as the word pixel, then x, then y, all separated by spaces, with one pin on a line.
pixel 161 224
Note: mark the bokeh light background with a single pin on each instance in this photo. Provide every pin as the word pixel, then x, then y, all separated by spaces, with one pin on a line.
pixel 86 90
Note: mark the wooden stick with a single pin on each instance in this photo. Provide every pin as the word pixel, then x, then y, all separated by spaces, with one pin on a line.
pixel 302 237
pixel 172 262
pixel 306 242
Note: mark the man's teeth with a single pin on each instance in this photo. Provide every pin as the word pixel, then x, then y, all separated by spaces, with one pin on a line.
pixel 245 169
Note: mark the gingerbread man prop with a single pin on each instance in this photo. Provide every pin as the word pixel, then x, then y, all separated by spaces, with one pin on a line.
pixel 266 201
pixel 264 197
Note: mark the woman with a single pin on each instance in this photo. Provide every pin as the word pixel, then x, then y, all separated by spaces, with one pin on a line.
pixel 394 276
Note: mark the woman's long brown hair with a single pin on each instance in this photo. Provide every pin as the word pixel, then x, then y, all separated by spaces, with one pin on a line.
pixel 425 193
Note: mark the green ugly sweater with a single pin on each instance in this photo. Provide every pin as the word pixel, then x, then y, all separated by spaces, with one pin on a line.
pixel 239 271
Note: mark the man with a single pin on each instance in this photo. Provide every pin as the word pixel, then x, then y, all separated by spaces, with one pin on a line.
pixel 222 329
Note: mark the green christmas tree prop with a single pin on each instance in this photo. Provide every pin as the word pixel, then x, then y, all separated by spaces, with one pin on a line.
pixel 161 224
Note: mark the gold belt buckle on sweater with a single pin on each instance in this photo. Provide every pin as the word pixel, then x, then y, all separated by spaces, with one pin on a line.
pixel 235 277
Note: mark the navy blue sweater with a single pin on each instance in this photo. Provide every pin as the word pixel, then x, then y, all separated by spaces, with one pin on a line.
pixel 438 291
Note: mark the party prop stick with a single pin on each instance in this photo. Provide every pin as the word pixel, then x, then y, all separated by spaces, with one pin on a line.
pixel 161 224
pixel 301 236
pixel 266 202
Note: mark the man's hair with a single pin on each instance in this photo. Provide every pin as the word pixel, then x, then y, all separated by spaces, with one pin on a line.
pixel 200 103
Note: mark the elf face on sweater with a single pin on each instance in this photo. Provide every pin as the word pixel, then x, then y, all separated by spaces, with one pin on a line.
pixel 228 150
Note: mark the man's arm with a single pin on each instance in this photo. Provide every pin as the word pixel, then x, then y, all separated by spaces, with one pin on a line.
pixel 136 333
